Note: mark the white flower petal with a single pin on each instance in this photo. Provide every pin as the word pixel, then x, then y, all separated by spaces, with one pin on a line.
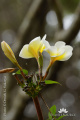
pixel 34 46
pixel 44 37
pixel 46 44
pixel 60 44
pixel 66 57
pixel 24 53
pixel 52 51
pixel 60 51
pixel 67 54
pixel 35 42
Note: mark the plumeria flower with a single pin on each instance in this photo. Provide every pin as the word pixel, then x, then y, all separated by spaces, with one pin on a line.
pixel 32 49
pixel 60 51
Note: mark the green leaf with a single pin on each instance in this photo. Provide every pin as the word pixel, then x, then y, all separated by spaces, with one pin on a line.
pixel 59 118
pixel 51 82
pixel 49 115
pixel 40 59
pixel 53 111
pixel 24 71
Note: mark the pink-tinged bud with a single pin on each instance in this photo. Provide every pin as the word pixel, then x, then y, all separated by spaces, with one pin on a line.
pixel 7 70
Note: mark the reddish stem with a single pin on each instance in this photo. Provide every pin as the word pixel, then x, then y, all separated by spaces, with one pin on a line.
pixel 38 109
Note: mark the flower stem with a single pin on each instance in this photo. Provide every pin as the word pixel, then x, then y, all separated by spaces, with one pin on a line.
pixel 38 109
pixel 40 70
pixel 47 71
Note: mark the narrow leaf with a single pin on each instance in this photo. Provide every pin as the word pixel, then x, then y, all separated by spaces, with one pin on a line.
pixel 24 71
pixel 51 82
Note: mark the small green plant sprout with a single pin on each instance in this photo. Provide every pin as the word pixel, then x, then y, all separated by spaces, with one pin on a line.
pixel 32 84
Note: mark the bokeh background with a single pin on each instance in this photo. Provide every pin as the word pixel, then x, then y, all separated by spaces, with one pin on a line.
pixel 20 22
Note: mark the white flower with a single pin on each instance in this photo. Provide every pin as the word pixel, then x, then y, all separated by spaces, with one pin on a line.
pixel 31 50
pixel 59 51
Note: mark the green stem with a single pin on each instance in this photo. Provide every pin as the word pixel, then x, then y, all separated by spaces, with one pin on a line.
pixel 40 74
pixel 20 68
pixel 38 109
pixel 23 75
pixel 47 71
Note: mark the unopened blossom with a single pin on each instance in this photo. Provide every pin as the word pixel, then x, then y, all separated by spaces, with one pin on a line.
pixel 7 70
pixel 9 53
pixel 32 49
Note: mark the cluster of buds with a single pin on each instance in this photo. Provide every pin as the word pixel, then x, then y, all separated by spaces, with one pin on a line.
pixel 31 85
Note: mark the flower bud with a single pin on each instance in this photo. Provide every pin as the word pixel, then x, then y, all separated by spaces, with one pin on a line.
pixel 9 53
pixel 7 70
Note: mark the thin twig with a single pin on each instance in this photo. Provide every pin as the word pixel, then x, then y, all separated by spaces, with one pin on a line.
pixel 46 105
pixel 18 80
